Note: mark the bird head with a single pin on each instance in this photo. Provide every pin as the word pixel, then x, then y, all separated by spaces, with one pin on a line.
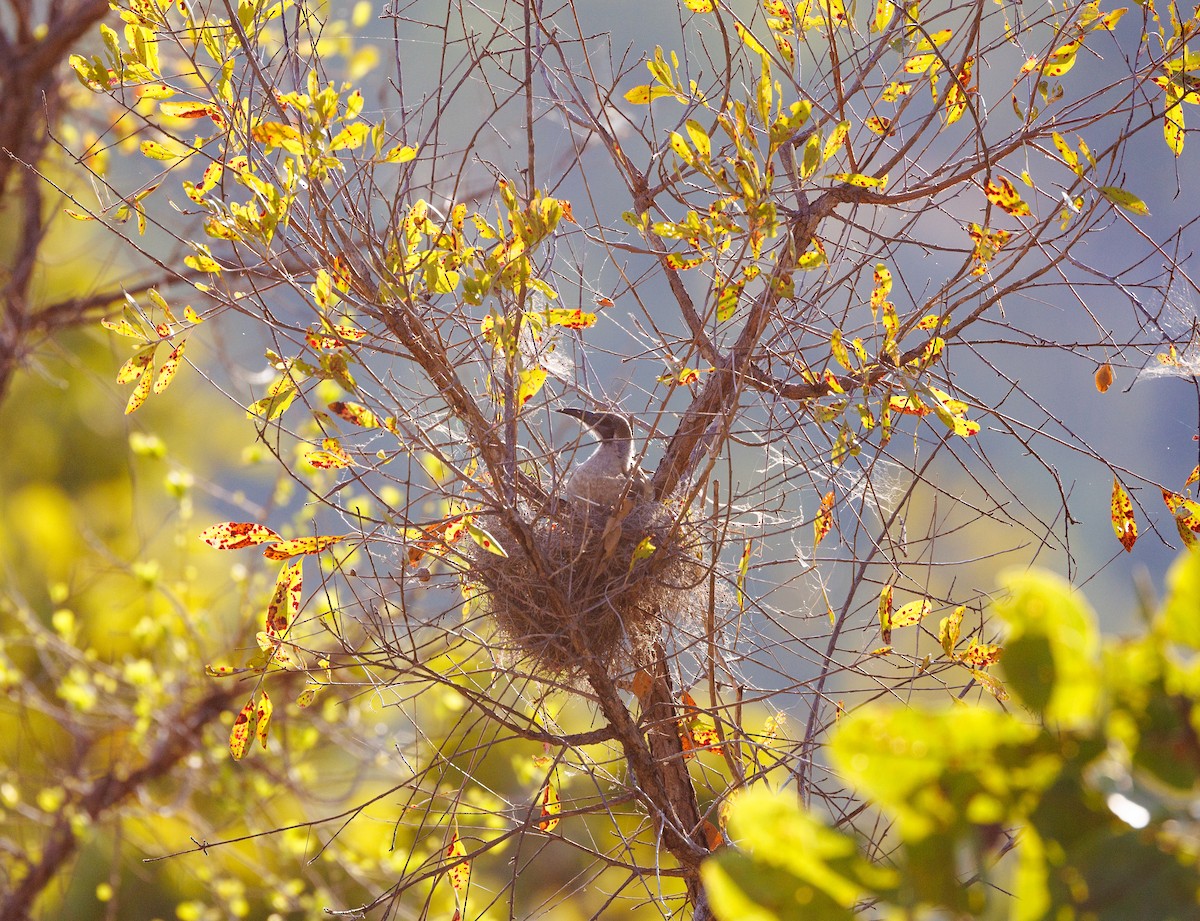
pixel 609 426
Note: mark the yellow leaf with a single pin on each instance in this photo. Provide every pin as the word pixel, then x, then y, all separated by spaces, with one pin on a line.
pixel 1001 192
pixel 1123 522
pixel 239 738
pixel 286 549
pixel 237 535
pixel 140 392
pixel 485 540
pixel 885 613
pixel 883 15
pixel 284 605
pixel 1126 200
pixel 912 613
pixel 355 413
pixel 166 373
pixel 263 715
pixel 460 872
pixel 861 181
pixel 551 808
pixel 948 630
pixel 156 151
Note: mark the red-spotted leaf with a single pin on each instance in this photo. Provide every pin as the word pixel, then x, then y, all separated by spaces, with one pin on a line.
pixel 286 549
pixel 236 535
pixel 551 807
pixel 265 709
pixel 1001 192
pixel 949 628
pixel 484 538
pixel 356 413
pixel 140 392
pixel 239 738
pixel 332 457
pixel 912 613
pixel 885 614
pixel 137 365
pixel 166 372
pixel 460 870
pixel 981 655
pixel 1123 522
pixel 284 605
pixel 1126 200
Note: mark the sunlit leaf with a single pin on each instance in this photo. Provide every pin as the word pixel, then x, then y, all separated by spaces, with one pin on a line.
pixel 286 549
pixel 1123 521
pixel 156 151
pixel 284 605
pixel 1001 192
pixel 885 613
pixel 643 95
pixel 1126 200
pixel 239 738
pixel 1104 377
pixel 484 538
pixel 263 718
pixel 824 520
pixel 743 568
pixel 529 384
pixel 912 613
pixel 981 655
pixel 861 181
pixel 236 535
pixel 460 871
pixel 355 413
pixel 551 807
pixel 168 369
pixel 949 628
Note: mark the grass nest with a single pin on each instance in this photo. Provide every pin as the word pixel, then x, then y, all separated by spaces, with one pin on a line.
pixel 588 586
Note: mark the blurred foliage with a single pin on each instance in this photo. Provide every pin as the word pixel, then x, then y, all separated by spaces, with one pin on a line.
pixel 1093 786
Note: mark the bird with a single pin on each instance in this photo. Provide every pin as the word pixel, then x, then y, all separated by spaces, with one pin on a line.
pixel 609 473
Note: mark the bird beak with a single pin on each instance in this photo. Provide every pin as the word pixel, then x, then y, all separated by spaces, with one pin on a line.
pixel 583 415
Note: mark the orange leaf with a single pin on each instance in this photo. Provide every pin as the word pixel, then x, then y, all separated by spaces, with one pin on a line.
pixel 236 535
pixel 286 549
pixel 1104 377
pixel 239 738
pixel 1124 524
pixel 824 520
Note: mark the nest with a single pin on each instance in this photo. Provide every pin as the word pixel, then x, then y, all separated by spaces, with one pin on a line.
pixel 585 586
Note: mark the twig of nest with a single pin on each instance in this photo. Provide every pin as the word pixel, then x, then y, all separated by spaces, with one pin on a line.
pixel 592 583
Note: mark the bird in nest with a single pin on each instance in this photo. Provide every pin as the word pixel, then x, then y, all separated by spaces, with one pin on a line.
pixel 608 473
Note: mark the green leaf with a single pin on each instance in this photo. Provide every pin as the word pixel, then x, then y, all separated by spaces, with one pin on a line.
pixel 1051 657
pixel 787 866
pixel 1180 615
